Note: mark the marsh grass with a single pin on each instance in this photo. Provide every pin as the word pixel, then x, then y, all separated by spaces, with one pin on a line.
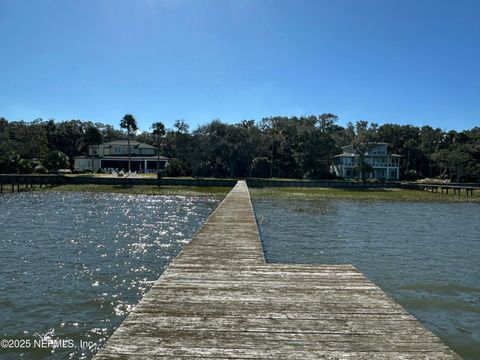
pixel 197 191
pixel 289 193
pixel 281 193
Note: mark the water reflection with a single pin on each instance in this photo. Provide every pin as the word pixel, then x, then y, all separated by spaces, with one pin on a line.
pixel 72 265
pixel 426 256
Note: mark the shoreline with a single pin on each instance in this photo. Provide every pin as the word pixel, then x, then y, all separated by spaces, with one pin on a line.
pixel 280 193
pixel 195 191
pixel 375 194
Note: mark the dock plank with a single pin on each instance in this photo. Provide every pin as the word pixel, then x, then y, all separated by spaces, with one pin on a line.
pixel 220 299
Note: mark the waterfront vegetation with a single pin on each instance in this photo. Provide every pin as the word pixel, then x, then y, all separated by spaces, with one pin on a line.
pixel 277 193
pixel 284 147
pixel 194 191
pixel 291 193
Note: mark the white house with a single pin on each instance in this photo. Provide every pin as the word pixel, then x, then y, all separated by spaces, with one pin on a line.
pixel 385 165
pixel 114 155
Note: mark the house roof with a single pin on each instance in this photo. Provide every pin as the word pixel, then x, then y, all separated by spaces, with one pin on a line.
pixel 133 143
pixel 119 142
pixel 145 146
pixel 133 158
pixel 356 155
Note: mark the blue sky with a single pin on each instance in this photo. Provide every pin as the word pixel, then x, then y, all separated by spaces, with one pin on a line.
pixel 403 61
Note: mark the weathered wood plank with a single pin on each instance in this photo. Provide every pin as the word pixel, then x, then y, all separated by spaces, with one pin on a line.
pixel 130 351
pixel 367 326
pixel 274 310
pixel 227 341
pixel 291 355
pixel 219 299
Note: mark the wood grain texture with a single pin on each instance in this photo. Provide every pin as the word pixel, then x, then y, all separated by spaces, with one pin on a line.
pixel 219 299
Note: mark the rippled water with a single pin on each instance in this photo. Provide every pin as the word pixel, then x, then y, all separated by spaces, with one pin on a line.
pixel 426 256
pixel 72 265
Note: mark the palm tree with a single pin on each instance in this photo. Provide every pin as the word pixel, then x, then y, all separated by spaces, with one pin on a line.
pixel 159 130
pixel 128 122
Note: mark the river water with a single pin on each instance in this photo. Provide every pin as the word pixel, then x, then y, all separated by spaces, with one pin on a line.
pixel 425 255
pixel 72 265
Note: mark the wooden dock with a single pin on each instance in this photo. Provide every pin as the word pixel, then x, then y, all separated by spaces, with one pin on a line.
pixel 219 299
pixel 456 189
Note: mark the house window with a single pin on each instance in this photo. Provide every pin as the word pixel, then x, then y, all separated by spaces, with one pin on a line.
pixel 349 173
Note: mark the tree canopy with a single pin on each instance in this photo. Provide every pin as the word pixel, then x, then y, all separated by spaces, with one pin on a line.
pixel 130 123
pixel 287 147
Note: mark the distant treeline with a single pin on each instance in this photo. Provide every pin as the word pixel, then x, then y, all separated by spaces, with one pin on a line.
pixel 301 147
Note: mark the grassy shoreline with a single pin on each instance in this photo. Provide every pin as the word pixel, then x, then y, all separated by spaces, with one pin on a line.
pixel 376 194
pixel 196 191
pixel 280 193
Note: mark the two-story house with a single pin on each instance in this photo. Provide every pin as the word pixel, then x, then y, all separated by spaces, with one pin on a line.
pixel 384 164
pixel 114 155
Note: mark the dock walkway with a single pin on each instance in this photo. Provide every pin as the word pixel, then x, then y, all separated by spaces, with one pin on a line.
pixel 219 299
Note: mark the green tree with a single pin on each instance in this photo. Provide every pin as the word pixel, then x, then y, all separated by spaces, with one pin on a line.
pixel 147 138
pixel 26 166
pixel 28 140
pixel 319 146
pixel 213 153
pixel 128 122
pixel 159 132
pixel 56 160
pixel 459 161
pixel 92 136
pixel 65 136
pixel 363 142
pixel 181 126
pixel 178 144
pixel 260 167
pixel 430 140
pixel 299 146
pixel 410 147
pixel 176 167
pixel 109 133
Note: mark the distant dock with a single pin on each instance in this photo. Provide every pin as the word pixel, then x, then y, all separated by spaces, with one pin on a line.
pixel 456 189
pixel 219 299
